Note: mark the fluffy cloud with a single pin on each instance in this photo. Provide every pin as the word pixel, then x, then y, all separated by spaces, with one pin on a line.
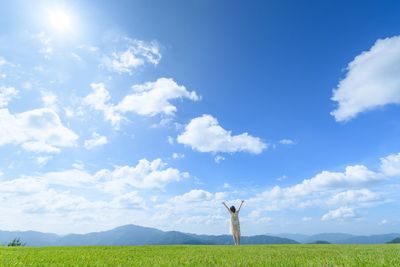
pixel 390 165
pixel 22 185
pixel 194 195
pixel 96 140
pixel 98 100
pixel 59 192
pixel 38 130
pixel 148 99
pixel 137 54
pixel 332 188
pixel 153 98
pixel 130 200
pixel 145 175
pixel 178 155
pixel 286 142
pixel 197 206
pixel 2 61
pixel 49 100
pixel 372 80
pixel 339 214
pixel 350 197
pixel 218 159
pixel 6 95
pixel 206 135
pixel 352 176
pixel 120 180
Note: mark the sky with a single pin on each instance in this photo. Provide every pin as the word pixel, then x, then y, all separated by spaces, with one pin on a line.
pixel 155 112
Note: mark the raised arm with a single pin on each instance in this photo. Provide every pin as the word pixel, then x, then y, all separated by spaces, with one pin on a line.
pixel 226 207
pixel 241 203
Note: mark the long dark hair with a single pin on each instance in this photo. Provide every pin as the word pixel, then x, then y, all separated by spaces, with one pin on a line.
pixel 233 209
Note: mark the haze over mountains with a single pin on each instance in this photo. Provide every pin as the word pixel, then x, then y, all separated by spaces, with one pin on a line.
pixel 138 235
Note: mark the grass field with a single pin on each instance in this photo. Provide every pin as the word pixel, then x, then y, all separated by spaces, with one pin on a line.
pixel 257 255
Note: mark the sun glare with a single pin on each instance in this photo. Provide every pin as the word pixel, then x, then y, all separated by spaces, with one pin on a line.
pixel 60 20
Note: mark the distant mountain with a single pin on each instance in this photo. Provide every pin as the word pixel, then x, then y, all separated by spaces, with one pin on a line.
pixel 133 235
pixel 29 237
pixel 394 241
pixel 128 235
pixel 371 239
pixel 298 237
pixel 256 239
pixel 319 242
pixel 340 238
pixel 335 238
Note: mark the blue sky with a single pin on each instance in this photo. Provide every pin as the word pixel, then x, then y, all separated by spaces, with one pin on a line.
pixel 154 112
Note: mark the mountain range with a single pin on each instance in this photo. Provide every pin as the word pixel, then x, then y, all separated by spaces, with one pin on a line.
pixel 340 238
pixel 133 235
pixel 138 235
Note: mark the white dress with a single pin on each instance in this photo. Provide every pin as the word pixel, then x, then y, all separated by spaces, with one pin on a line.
pixel 235 224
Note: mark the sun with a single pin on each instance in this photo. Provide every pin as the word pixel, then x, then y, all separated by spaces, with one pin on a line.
pixel 60 20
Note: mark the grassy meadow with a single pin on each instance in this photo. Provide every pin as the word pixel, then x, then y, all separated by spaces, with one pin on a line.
pixel 182 255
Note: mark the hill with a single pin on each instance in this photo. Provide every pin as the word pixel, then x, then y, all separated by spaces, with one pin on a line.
pixel 394 241
pixel 133 235
pixel 341 238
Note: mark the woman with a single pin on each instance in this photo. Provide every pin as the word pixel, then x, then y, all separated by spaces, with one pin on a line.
pixel 235 224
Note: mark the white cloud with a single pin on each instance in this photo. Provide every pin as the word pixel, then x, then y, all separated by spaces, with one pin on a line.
pixel 153 98
pixel 383 222
pixel 39 147
pixel 390 165
pixel 170 140
pixel 339 214
pixel 372 80
pixel 348 188
pixel 286 142
pixel 78 165
pixel 96 140
pixel 42 160
pixel 6 95
pixel 350 197
pixel 148 99
pixel 22 185
pixel 69 178
pixel 218 159
pixel 49 100
pixel 294 196
pixel 195 195
pixel 137 54
pixel 145 175
pixel 47 45
pixel 194 207
pixel 130 200
pixel 178 155
pixel 120 180
pixel 352 176
pixel 98 100
pixel 90 48
pixel 281 178
pixel 306 219
pixel 2 61
pixel 38 130
pixel 206 135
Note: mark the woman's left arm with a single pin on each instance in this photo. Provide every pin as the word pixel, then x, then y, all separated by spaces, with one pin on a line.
pixel 240 206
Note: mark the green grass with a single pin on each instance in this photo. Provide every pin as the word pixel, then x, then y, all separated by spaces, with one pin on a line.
pixel 257 255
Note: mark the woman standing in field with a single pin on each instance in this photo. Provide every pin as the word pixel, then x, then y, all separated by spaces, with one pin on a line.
pixel 235 224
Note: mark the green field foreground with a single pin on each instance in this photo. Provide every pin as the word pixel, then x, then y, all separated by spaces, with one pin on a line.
pixel 182 255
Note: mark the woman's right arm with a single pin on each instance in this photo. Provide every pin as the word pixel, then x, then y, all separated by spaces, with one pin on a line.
pixel 226 207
